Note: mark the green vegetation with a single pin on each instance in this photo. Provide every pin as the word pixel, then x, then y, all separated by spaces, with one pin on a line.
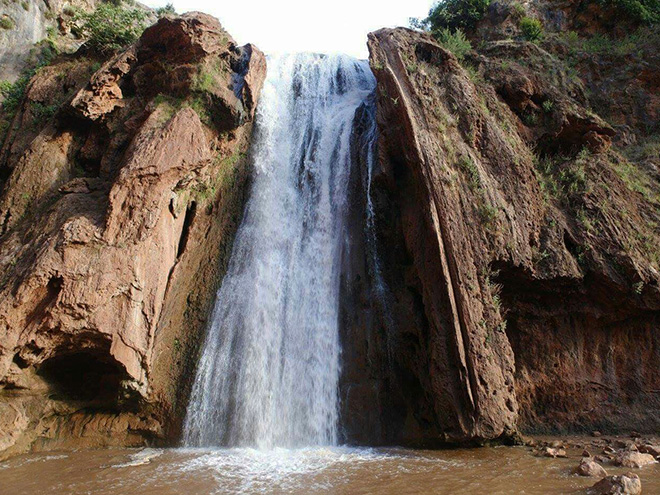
pixel 469 168
pixel 225 178
pixel 25 5
pixel 208 76
pixel 110 27
pixel 639 42
pixel 532 29
pixel 13 93
pixel 646 149
pixel 487 212
pixel 167 10
pixel 548 106
pixel 453 14
pixel 561 178
pixel 42 112
pixel 454 41
pixel 518 11
pixel 643 11
pixel 637 180
pixel 7 23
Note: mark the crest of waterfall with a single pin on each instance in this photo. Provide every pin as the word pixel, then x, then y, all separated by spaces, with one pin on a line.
pixel 269 368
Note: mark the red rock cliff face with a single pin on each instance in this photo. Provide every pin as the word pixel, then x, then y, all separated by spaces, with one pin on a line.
pixel 117 217
pixel 519 256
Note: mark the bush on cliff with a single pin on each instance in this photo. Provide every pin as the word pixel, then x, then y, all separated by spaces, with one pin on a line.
pixel 455 42
pixel 167 10
pixel 532 29
pixel 643 11
pixel 109 27
pixel 453 14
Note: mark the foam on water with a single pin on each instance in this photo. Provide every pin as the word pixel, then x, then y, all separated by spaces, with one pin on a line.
pixel 246 470
pixel 269 369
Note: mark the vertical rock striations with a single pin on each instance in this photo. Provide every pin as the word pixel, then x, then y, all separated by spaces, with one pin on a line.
pixel 518 253
pixel 117 216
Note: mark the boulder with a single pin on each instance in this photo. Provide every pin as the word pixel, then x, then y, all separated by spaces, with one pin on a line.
pixel 589 467
pixel 632 459
pixel 627 484
pixel 554 452
pixel 653 450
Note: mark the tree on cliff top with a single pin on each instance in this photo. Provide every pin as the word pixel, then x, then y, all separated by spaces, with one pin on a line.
pixel 110 27
pixel 453 14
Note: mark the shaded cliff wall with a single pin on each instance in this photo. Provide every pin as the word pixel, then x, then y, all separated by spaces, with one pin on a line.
pixel 518 247
pixel 116 217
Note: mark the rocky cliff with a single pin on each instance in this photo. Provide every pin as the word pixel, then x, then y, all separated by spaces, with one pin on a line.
pixel 117 211
pixel 506 280
pixel 25 23
pixel 518 232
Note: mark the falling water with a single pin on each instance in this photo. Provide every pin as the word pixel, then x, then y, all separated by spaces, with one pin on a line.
pixel 269 369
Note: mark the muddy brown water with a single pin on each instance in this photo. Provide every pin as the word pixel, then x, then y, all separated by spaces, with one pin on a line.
pixel 341 471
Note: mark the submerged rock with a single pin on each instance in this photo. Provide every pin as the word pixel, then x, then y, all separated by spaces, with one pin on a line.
pixel 554 452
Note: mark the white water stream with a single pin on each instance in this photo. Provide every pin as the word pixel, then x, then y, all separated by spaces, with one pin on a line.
pixel 269 368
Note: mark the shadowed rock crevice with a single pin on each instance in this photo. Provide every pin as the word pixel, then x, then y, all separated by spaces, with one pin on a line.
pixel 91 376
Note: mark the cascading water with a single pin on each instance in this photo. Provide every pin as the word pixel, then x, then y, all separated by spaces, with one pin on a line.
pixel 269 369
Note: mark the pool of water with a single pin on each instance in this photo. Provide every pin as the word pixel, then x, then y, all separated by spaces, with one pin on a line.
pixel 342 470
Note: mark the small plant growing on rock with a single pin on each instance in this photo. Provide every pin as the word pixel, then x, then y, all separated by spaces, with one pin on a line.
pixel 532 29
pixel 454 41
pixel 470 169
pixel 7 23
pixel 517 11
pixel 548 106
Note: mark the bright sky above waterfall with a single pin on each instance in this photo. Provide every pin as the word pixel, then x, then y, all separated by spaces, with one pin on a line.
pixel 331 26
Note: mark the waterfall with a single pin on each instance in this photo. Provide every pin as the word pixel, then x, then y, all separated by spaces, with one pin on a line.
pixel 269 368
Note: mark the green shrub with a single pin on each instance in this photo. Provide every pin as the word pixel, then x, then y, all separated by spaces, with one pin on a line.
pixel 43 112
pixel 643 11
pixel 517 11
pixel 7 23
pixel 110 28
pixel 455 14
pixel 469 168
pixel 532 29
pixel 455 42
pixel 13 93
pixel 167 10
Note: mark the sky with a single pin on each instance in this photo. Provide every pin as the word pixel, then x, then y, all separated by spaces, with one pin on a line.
pixel 338 26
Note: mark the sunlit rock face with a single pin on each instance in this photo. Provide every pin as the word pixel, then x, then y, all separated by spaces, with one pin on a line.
pixel 117 219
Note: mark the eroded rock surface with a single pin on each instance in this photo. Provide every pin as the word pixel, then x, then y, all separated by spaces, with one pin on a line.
pixel 517 240
pixel 590 467
pixel 625 484
pixel 117 216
